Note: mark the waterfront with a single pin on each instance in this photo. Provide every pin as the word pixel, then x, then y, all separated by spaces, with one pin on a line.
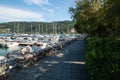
pixel 4 51
pixel 29 54
pixel 28 39
pixel 67 64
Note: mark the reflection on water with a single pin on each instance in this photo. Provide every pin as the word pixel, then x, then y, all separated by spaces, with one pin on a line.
pixel 4 51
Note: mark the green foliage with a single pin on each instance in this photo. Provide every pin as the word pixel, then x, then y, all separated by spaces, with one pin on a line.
pixel 100 19
pixel 38 27
pixel 97 17
pixel 103 58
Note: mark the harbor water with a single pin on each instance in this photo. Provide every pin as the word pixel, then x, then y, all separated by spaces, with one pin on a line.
pixel 4 51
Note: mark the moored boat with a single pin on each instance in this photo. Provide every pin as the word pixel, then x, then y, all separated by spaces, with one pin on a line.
pixel 10 44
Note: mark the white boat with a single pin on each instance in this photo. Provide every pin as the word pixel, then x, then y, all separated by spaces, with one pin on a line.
pixel 10 44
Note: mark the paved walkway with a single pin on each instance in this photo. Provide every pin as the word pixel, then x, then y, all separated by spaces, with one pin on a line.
pixel 67 64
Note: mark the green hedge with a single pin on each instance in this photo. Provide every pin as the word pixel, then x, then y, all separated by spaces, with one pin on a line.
pixel 103 58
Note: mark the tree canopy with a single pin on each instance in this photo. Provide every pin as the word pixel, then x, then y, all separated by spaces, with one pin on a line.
pixel 97 17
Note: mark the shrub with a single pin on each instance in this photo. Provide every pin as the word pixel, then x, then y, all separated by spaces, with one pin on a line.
pixel 103 58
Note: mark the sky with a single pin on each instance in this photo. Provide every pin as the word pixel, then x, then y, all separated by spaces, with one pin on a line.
pixel 35 10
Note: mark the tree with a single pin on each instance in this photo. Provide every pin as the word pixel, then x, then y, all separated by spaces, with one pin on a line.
pixel 112 11
pixel 97 17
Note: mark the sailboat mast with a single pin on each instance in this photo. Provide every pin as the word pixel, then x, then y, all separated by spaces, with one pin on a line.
pixel 31 28
pixel 39 27
pixel 42 29
pixel 36 29
pixel 56 28
pixel 46 29
pixel 18 27
pixel 14 27
pixel 53 28
pixel 22 29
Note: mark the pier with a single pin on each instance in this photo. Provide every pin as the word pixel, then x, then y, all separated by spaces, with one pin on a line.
pixel 25 44
pixel 67 63
pixel 39 43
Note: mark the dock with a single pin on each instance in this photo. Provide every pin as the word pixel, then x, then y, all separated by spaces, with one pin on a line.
pixel 25 44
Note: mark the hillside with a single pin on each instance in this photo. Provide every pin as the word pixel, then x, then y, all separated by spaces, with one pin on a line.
pixel 37 27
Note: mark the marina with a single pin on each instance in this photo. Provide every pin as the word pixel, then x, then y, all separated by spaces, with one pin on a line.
pixel 59 39
pixel 66 64
pixel 33 49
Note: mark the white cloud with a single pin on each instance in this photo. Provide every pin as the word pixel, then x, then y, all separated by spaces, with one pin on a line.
pixel 44 5
pixel 14 14
pixel 50 11
pixel 37 2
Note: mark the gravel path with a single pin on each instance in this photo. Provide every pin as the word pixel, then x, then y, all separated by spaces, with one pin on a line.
pixel 67 64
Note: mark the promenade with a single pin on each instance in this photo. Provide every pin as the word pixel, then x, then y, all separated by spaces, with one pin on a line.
pixel 67 64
